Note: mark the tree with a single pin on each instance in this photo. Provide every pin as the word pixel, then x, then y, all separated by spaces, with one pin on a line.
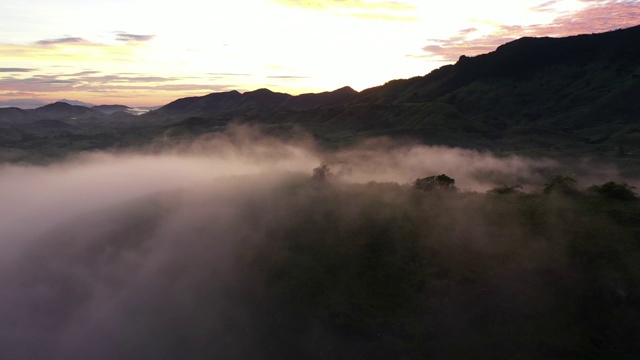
pixel 321 173
pixel 439 182
pixel 613 190
pixel 561 184
pixel 506 189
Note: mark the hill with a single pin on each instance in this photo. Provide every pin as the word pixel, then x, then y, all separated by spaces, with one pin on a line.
pixel 233 102
pixel 530 93
pixel 573 97
pixel 110 109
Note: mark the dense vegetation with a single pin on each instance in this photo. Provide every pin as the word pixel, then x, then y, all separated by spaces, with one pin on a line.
pixel 384 271
pixel 315 269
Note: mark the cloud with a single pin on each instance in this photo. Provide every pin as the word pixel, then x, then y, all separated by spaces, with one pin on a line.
pixel 546 7
pixel 354 4
pixel 123 36
pixel 15 70
pixel 467 31
pixel 58 82
pixel 135 79
pixel 287 77
pixel 602 16
pixel 80 76
pixel 380 16
pixel 50 52
pixel 86 72
pixel 452 48
pixel 91 81
pixel 225 74
pixel 380 10
pixel 66 40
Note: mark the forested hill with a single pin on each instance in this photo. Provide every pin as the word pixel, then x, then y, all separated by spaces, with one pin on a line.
pixel 532 92
pixel 573 96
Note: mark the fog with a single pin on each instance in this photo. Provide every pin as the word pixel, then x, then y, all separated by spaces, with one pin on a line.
pixel 164 252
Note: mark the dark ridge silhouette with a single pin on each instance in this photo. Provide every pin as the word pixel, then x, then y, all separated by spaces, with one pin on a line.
pixel 62 111
pixel 261 99
pixel 311 101
pixel 12 114
pixel 110 109
pixel 76 103
pixel 520 59
pixel 547 94
pixel 197 104
pixel 574 96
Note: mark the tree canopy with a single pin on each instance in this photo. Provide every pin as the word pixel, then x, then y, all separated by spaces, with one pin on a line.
pixel 436 182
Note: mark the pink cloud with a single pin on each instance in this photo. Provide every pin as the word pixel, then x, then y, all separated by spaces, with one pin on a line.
pixel 599 17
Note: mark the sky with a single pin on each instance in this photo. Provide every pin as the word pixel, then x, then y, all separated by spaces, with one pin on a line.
pixel 146 53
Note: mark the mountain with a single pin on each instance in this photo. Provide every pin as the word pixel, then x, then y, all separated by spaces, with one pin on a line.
pixel 62 111
pixel 110 109
pixel 312 101
pixel 529 93
pixel 76 103
pixel 574 97
pixel 104 115
pixel 12 115
pixel 258 100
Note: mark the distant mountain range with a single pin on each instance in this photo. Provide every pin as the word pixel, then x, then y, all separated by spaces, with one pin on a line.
pixel 572 96
pixel 76 114
pixel 22 103
pixel 35 103
pixel 63 111
pixel 261 99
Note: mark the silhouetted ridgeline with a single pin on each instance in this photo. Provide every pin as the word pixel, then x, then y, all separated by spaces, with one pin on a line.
pixel 233 102
pixel 574 96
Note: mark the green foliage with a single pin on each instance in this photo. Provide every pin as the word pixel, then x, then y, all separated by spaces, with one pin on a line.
pixel 506 190
pixel 561 184
pixel 465 275
pixel 613 190
pixel 439 182
pixel 321 173
pixel 293 270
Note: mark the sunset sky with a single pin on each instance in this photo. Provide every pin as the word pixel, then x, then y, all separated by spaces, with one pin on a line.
pixel 143 52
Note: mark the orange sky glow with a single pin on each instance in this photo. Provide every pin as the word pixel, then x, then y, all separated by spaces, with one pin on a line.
pixel 145 53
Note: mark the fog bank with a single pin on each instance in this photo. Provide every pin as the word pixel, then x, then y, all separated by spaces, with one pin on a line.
pixel 154 253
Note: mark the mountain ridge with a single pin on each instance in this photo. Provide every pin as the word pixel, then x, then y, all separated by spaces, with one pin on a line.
pixel 572 96
pixel 260 99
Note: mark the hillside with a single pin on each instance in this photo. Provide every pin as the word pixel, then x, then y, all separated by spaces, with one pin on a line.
pixel 571 97
pixel 233 102
pixel 531 93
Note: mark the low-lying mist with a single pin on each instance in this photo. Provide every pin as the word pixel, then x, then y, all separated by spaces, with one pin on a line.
pixel 226 247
